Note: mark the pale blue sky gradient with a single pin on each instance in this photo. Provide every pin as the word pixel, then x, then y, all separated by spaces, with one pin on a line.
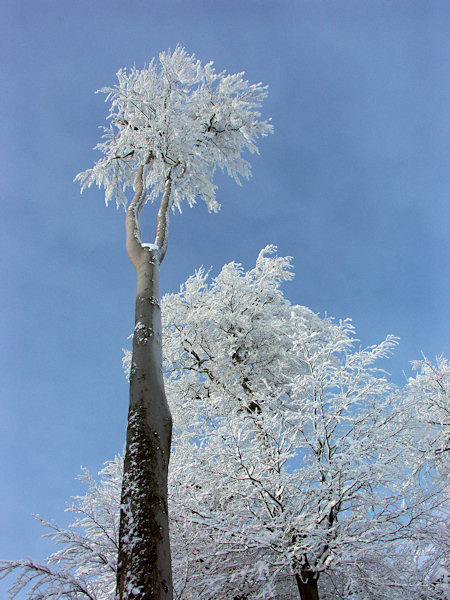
pixel 353 184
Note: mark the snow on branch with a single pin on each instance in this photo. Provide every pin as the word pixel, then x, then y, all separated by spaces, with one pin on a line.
pixel 84 565
pixel 187 118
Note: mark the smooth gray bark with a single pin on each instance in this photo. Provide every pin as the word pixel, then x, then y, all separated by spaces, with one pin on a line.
pixel 144 565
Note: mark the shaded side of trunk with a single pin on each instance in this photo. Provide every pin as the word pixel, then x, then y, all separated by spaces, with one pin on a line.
pixel 144 566
pixel 307 585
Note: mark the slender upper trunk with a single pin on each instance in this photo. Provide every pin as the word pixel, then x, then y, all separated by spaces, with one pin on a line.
pixel 144 566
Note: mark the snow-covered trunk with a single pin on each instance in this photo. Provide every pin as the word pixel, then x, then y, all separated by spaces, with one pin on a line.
pixel 307 586
pixel 144 565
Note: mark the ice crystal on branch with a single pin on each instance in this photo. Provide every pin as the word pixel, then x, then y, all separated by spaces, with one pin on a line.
pixel 181 119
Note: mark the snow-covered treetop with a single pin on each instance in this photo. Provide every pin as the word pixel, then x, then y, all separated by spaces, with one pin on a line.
pixel 182 120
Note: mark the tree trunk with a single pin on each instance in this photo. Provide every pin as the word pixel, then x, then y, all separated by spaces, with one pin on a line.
pixel 144 566
pixel 307 586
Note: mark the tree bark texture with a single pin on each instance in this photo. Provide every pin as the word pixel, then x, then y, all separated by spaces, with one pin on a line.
pixel 144 565
pixel 307 586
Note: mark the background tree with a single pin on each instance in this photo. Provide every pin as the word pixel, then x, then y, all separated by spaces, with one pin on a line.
pixel 294 455
pixel 85 565
pixel 429 393
pixel 297 469
pixel 172 124
pixel 428 401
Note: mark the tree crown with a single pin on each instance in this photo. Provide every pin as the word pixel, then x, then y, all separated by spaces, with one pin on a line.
pixel 181 119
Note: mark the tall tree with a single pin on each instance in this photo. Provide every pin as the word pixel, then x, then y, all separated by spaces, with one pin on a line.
pixel 297 470
pixel 172 124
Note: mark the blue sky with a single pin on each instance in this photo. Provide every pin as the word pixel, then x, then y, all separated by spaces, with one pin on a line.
pixel 353 184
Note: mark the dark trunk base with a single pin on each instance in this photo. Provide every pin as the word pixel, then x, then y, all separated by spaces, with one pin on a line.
pixel 307 587
pixel 143 551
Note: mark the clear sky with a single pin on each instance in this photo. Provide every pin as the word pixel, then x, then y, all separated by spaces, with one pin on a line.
pixel 353 184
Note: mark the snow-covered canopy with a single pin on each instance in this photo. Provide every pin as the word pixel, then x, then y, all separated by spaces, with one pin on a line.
pixel 293 455
pixel 182 119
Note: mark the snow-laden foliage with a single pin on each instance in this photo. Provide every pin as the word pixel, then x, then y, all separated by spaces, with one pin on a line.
pixel 181 119
pixel 295 460
pixel 84 566
pixel 429 394
pixel 292 451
